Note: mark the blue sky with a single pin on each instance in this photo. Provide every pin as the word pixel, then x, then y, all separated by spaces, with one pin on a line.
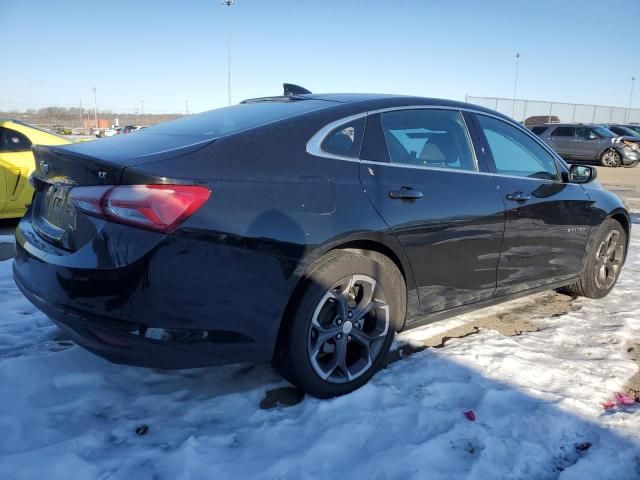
pixel 167 51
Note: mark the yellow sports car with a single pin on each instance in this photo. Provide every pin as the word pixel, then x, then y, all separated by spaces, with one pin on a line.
pixel 17 163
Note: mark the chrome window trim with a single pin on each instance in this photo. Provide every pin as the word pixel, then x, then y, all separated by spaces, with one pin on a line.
pixel 441 169
pixel 315 142
pixel 313 145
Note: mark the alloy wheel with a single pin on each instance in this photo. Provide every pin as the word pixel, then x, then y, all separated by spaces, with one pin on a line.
pixel 609 257
pixel 611 158
pixel 348 329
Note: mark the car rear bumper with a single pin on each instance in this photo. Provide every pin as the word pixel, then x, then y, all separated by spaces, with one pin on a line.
pixel 134 344
pixel 168 302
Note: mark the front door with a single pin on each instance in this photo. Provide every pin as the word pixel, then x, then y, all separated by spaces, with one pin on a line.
pixel 420 173
pixel 547 219
pixel 587 143
pixel 16 161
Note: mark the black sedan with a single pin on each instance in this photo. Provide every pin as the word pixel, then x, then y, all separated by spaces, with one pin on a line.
pixel 306 230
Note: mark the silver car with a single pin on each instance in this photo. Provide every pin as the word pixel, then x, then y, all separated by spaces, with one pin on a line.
pixel 588 142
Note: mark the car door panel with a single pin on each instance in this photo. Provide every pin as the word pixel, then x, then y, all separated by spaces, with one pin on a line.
pixel 3 185
pixel 16 167
pixel 586 147
pixel 547 220
pixel 562 144
pixel 451 226
pixel 545 235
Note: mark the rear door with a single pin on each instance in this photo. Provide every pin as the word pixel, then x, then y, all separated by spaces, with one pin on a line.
pixel 421 174
pixel 547 219
pixel 561 139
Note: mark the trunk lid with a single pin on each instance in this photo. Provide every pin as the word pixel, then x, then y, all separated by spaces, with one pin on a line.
pixel 99 162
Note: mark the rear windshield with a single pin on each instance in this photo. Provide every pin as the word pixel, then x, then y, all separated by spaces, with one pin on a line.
pixel 228 120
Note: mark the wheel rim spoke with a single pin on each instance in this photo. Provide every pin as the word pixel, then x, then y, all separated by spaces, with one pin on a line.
pixel 360 313
pixel 323 336
pixel 613 243
pixel 338 360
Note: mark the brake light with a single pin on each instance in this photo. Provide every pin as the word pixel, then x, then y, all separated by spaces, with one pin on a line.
pixel 155 207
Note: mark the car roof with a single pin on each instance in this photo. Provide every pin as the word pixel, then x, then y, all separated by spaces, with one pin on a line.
pixel 373 101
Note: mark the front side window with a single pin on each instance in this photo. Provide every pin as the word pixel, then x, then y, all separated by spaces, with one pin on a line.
pixel 593 133
pixel 586 133
pixel 516 153
pixel 427 138
pixel 345 140
pixel 13 141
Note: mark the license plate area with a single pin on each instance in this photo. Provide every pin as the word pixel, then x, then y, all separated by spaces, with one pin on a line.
pixel 54 214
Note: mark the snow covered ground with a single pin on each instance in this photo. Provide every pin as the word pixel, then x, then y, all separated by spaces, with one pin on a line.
pixel 537 397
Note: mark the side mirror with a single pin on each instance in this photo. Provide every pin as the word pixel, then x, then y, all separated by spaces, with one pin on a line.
pixel 582 174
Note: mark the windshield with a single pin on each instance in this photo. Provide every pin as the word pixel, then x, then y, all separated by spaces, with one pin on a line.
pixel 228 120
pixel 634 128
pixel 604 132
pixel 628 131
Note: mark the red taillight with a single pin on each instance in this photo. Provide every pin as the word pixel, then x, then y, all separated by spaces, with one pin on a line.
pixel 156 207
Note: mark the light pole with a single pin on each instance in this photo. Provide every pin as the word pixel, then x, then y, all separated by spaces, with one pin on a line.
pixel 633 80
pixel 515 85
pixel 228 4
pixel 141 107
pixel 95 106
pixel 186 106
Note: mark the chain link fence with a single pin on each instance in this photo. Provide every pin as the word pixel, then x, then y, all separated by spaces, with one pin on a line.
pixel 534 112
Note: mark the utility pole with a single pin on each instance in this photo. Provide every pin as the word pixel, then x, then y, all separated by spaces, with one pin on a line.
pixel 186 106
pixel 95 106
pixel 228 4
pixel 633 80
pixel 515 85
pixel 142 108
pixel 80 114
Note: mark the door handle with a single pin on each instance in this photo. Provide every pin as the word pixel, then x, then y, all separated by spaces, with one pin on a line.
pixel 405 193
pixel 518 197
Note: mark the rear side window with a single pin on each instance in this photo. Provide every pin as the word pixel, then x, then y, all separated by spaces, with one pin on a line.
pixel 427 138
pixel 515 153
pixel 345 140
pixel 538 130
pixel 12 141
pixel 563 132
pixel 229 120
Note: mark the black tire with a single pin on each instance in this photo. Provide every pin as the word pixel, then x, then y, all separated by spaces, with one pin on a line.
pixel 314 333
pixel 611 158
pixel 591 284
